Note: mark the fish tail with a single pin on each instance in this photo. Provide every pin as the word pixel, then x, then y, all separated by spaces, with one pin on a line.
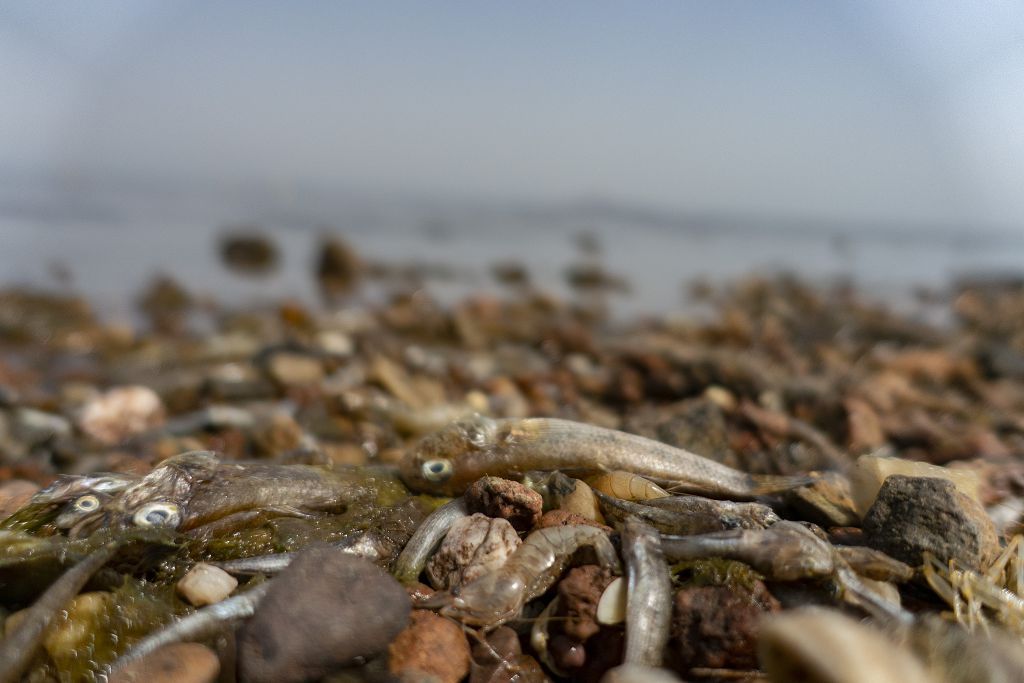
pixel 763 484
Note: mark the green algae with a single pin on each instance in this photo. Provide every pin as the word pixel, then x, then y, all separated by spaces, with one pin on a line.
pixel 714 572
pixel 99 627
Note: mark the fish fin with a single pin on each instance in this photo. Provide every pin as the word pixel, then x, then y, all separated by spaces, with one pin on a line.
pixel 764 484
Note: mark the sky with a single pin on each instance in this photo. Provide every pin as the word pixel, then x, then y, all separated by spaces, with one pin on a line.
pixel 904 113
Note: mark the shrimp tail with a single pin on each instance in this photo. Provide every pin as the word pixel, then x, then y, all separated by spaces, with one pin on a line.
pixel 764 484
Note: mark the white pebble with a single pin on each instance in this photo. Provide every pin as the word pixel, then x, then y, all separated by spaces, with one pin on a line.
pixel 121 413
pixel 611 608
pixel 205 584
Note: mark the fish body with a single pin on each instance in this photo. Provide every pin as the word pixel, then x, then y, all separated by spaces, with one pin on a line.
pixel 448 461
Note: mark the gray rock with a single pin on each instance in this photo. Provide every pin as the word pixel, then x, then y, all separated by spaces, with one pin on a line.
pixel 916 514
pixel 324 612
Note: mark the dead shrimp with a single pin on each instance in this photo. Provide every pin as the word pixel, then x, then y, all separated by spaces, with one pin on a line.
pixel 498 596
pixel 970 593
pixel 626 486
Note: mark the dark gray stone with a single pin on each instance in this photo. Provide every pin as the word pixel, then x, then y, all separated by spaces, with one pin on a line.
pixel 916 514
pixel 326 610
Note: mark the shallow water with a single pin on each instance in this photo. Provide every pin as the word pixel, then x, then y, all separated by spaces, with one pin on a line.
pixel 113 244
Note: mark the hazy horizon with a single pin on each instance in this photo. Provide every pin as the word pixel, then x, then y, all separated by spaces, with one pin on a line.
pixel 866 113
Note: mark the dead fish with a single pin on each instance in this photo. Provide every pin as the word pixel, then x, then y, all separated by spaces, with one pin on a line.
pixel 448 461
pixel 196 491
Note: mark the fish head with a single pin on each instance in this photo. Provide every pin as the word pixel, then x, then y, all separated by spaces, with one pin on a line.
pixel 160 499
pixel 439 463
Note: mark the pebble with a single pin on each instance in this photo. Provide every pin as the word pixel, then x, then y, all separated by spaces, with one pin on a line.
pixel 121 413
pixel 871 471
pixel 295 369
pixel 337 344
pixel 349 608
pixel 249 253
pixel 717 626
pixel 611 609
pixel 205 584
pixel 509 666
pixel 827 501
pixel 497 497
pixel 14 494
pixel 175 663
pixel 36 426
pixel 916 514
pixel 430 646
pixel 474 546
pixel 338 266
pixel 582 501
pixel 579 594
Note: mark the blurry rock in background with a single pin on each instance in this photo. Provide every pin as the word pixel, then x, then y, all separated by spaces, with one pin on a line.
pixel 338 268
pixel 248 251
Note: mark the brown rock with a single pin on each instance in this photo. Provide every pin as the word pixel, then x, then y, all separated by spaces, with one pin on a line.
pixel 827 502
pixel 863 426
pixel 324 611
pixel 276 435
pixel 338 267
pixel 501 660
pixel 497 497
pixel 916 514
pixel 566 518
pixel 579 593
pixel 604 651
pixel 717 626
pixel 248 252
pixel 430 646
pixel 175 663
pixel 14 494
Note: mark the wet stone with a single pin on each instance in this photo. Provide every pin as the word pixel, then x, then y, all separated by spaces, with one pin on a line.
pixel 717 626
pixel 175 663
pixel 327 609
pixel 497 497
pixel 579 593
pixel 205 584
pixel 913 515
pixel 430 646
pixel 489 660
pixel 474 546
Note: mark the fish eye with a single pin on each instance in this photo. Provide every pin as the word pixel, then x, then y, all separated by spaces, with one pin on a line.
pixel 157 514
pixel 86 504
pixel 437 470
